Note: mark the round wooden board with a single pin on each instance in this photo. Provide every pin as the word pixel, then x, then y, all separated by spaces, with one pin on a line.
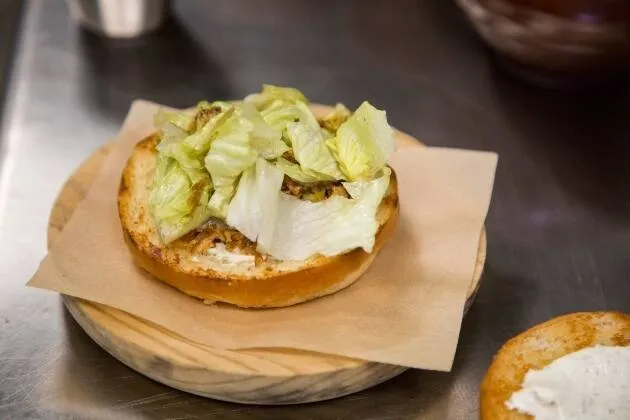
pixel 254 376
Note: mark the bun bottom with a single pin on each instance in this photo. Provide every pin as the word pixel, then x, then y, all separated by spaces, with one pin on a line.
pixel 266 286
pixel 280 290
pixel 541 345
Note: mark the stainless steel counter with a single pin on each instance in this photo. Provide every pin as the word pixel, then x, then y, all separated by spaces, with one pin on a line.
pixel 558 229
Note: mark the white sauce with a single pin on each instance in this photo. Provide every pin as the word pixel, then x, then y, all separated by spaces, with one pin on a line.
pixel 223 256
pixel 590 384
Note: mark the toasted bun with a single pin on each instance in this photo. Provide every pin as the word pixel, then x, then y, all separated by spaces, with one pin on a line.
pixel 541 345
pixel 270 284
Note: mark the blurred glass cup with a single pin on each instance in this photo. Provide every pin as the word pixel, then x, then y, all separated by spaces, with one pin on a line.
pixel 119 18
pixel 556 41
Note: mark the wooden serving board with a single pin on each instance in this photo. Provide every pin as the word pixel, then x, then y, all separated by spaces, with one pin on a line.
pixel 255 376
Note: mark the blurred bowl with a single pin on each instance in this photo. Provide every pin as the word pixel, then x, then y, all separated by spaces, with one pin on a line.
pixel 566 39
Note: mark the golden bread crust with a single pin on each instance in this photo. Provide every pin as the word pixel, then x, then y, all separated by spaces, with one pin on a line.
pixel 268 287
pixel 541 345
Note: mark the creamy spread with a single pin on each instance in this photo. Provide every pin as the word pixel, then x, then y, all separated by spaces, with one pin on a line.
pixel 220 255
pixel 589 384
pixel 228 257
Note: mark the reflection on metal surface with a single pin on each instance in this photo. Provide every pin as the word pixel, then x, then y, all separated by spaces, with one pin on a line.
pixel 169 67
pixel 120 18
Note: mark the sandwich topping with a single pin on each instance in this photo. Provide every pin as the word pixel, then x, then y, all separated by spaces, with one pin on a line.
pixel 264 176
pixel 592 383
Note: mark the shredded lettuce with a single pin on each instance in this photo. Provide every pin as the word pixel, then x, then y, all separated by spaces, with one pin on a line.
pixel 230 154
pixel 201 140
pixel 171 133
pixel 253 208
pixel 189 150
pixel 228 160
pixel 328 227
pixel 222 105
pixel 326 134
pixel 181 185
pixel 184 156
pixel 178 204
pixel 271 93
pixel 265 139
pixel 220 200
pixel 179 119
pixel 333 120
pixel 363 143
pixel 312 154
pixel 294 171
pixel 279 114
pixel 170 197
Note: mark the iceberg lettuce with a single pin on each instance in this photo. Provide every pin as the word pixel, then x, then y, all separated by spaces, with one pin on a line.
pixel 272 93
pixel 253 208
pixel 294 171
pixel 230 154
pixel 228 160
pixel 265 139
pixel 312 154
pixel 333 120
pixel 179 119
pixel 363 144
pixel 178 204
pixel 330 227
pixel 279 114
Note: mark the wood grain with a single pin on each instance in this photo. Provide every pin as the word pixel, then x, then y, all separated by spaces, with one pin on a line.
pixel 254 376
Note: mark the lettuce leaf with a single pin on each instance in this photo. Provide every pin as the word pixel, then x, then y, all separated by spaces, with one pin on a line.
pixel 311 152
pixel 182 187
pixel 222 105
pixel 171 133
pixel 271 93
pixel 220 200
pixel 327 135
pixel 330 227
pixel 253 207
pixel 178 204
pixel 265 139
pixel 229 155
pixel 179 119
pixel 279 114
pixel 189 150
pixel 200 141
pixel 363 143
pixel 214 163
pixel 333 120
pixel 293 170
pixel 206 111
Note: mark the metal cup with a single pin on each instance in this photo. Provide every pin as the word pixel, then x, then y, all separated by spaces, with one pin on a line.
pixel 119 18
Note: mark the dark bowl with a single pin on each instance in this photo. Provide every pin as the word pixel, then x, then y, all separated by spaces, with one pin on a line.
pixel 571 39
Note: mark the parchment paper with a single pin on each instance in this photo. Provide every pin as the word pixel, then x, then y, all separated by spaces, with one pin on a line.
pixel 406 310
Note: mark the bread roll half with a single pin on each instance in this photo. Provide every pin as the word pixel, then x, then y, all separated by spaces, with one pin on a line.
pixel 186 265
pixel 541 345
